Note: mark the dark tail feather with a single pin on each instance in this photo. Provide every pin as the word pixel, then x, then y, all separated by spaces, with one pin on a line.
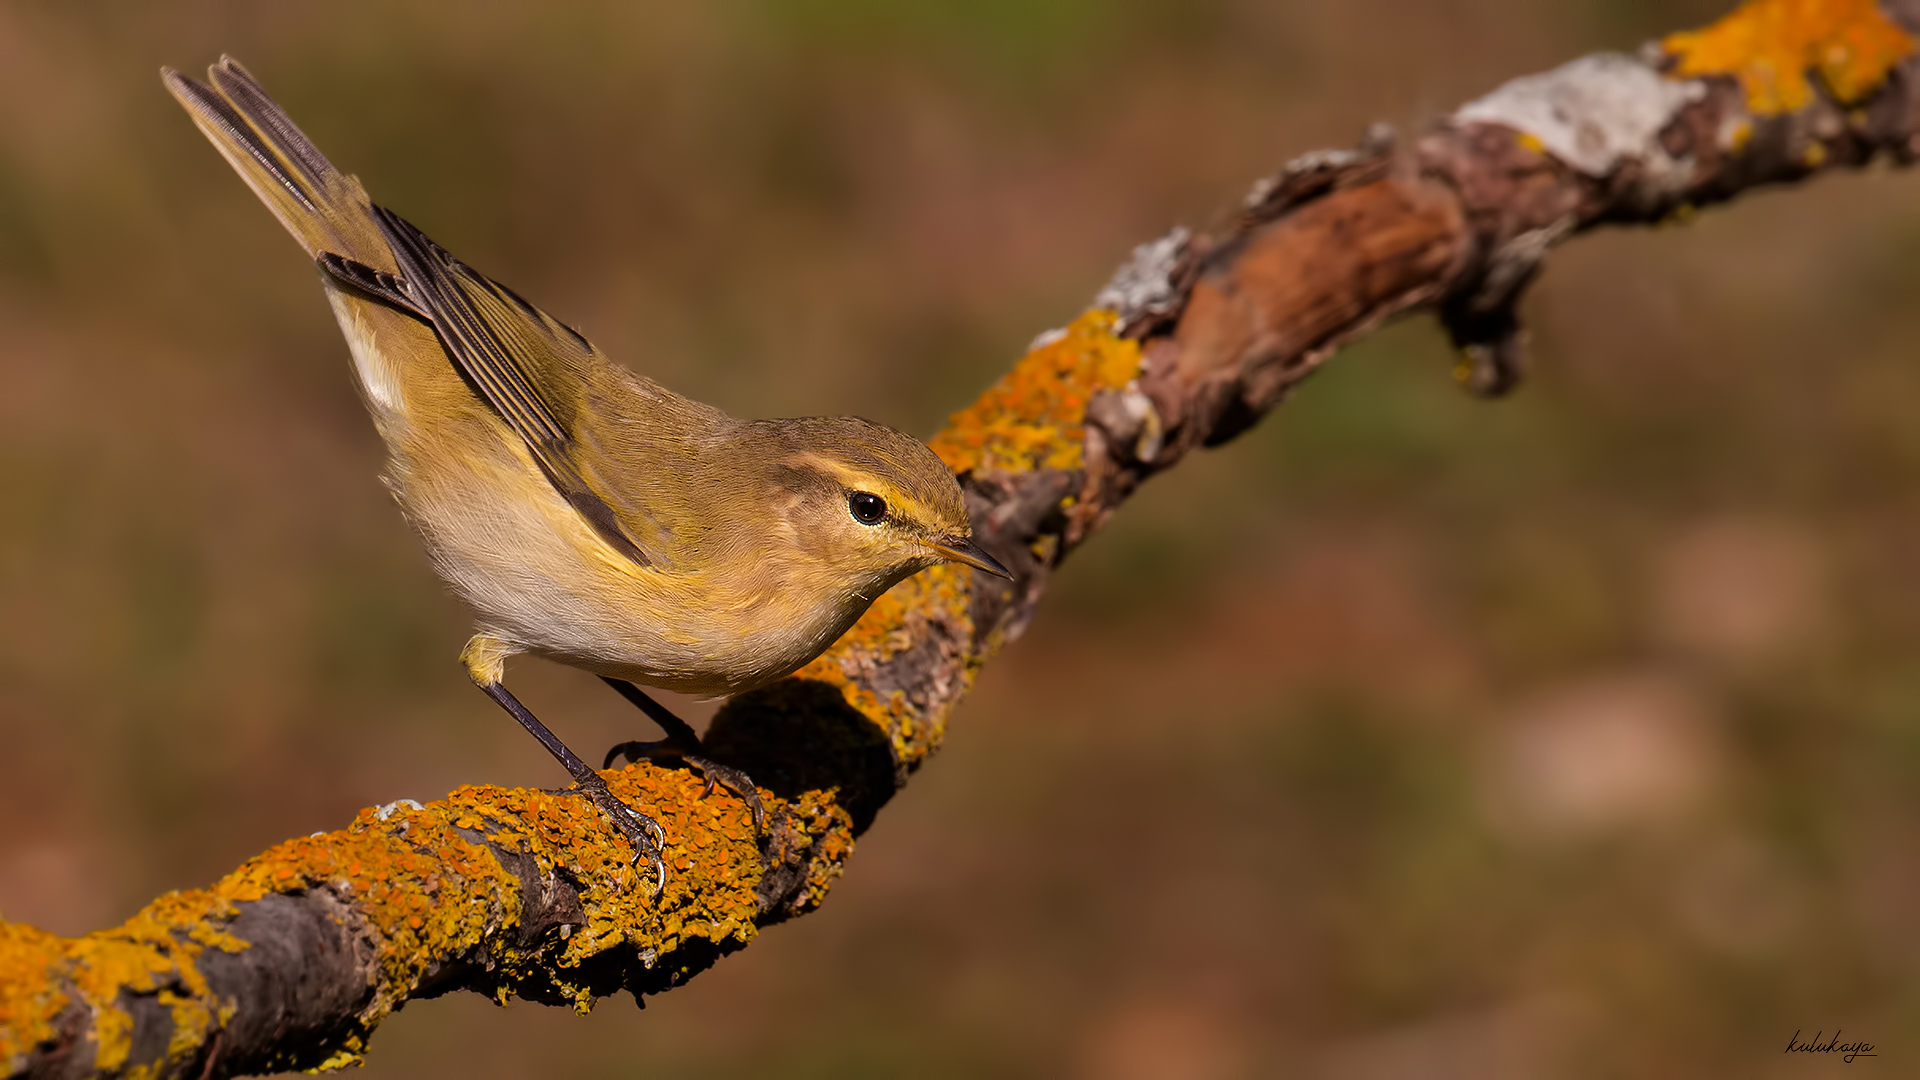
pixel 233 130
pixel 267 115
pixel 324 209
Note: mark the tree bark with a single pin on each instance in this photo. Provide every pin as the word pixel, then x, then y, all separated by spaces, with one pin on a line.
pixel 292 960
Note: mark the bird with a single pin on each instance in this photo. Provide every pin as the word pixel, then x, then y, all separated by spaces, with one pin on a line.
pixel 585 513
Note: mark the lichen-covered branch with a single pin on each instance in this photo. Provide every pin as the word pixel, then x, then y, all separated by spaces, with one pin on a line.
pixel 292 960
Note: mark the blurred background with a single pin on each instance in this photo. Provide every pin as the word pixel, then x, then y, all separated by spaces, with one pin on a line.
pixel 1406 736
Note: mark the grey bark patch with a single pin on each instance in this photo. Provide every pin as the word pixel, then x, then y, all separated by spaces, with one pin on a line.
pixel 300 985
pixel 1592 113
pixel 1146 288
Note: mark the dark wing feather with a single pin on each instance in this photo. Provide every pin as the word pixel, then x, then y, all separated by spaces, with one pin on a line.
pixel 367 281
pixel 503 346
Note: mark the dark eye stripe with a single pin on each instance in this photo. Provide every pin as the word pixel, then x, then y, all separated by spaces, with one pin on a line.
pixel 866 507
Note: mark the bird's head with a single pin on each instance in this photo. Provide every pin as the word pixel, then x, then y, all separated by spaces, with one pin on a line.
pixel 865 503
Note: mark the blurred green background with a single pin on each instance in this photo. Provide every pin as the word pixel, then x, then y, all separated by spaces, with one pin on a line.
pixel 1406 736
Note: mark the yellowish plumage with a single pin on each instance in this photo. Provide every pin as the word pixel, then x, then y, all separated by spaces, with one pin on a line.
pixel 585 512
pixel 754 563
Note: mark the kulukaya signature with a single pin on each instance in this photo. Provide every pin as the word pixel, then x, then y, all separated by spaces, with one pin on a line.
pixel 1831 1046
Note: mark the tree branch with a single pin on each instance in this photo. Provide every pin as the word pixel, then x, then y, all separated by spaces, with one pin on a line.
pixel 292 960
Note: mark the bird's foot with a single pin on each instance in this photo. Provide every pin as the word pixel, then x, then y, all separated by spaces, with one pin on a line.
pixel 666 750
pixel 644 833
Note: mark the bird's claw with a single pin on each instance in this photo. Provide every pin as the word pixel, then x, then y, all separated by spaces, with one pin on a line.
pixel 735 781
pixel 644 833
pixel 637 750
pixel 711 771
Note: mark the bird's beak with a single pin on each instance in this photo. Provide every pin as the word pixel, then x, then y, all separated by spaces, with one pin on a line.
pixel 964 550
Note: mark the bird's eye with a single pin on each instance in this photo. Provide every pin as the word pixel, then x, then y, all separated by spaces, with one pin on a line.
pixel 866 507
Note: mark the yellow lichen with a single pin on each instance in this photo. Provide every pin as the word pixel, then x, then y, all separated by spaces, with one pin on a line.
pixel 827 821
pixel 1035 416
pixel 1772 45
pixel 945 590
pixel 424 885
pixel 895 622
pixel 152 953
pixel 29 999
pixel 424 889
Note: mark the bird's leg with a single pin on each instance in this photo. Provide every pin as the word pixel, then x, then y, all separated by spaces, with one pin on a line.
pixel 640 830
pixel 681 743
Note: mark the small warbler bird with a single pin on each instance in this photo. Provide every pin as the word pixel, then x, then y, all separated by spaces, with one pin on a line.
pixel 586 513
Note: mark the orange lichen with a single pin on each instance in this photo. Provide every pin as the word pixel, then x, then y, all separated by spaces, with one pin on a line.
pixel 1034 417
pixel 945 590
pixel 897 621
pixel 821 817
pixel 422 885
pixel 423 888
pixel 1771 45
pixel 29 998
pixel 152 953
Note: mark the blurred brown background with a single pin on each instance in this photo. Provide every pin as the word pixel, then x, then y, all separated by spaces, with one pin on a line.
pixel 1407 736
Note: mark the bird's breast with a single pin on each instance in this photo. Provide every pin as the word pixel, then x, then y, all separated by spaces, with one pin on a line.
pixel 712 620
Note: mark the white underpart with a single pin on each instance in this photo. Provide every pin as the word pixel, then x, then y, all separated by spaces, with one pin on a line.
pixel 376 372
pixel 1593 113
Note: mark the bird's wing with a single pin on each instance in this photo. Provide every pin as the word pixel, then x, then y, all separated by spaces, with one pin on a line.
pixel 530 367
pixel 538 374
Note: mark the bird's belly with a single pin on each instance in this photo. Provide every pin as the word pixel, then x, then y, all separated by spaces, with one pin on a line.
pixel 541 580
pixel 694 650
pixel 713 666
pixel 624 626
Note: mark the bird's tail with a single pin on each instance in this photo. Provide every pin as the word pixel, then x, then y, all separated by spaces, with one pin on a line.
pixel 325 209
